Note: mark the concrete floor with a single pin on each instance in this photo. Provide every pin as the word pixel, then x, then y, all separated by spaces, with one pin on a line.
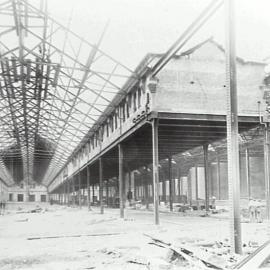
pixel 89 240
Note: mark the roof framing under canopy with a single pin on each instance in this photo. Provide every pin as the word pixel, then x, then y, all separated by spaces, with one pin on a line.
pixel 54 85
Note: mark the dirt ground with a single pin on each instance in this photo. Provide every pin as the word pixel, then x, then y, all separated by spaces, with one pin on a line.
pixel 60 237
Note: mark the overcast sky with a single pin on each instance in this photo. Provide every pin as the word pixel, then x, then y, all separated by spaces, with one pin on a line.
pixel 141 26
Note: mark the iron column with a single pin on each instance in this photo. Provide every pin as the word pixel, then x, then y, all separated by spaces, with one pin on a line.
pixel 121 174
pixel 266 169
pixel 218 178
pixel 68 188
pixel 88 187
pixel 232 130
pixel 206 176
pixel 79 191
pixel 247 172
pixel 196 187
pixel 170 183
pixel 101 186
pixel 179 183
pixel 155 168
pixel 73 190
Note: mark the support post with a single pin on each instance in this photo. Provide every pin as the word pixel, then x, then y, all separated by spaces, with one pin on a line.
pixel 218 178
pixel 88 187
pixel 129 180
pixel 179 184
pixel 135 188
pixel 170 183
pixel 232 131
pixel 93 193
pixel 79 191
pixel 65 189
pixel 73 190
pixel 155 169
pixel 121 179
pixel 68 188
pixel 146 189
pixel 247 172
pixel 266 170
pixel 107 192
pixel 83 195
pixel 101 186
pixel 164 190
pixel 196 187
pixel 189 183
pixel 206 176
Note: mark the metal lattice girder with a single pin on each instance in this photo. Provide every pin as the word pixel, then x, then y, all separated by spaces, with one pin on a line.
pixel 54 85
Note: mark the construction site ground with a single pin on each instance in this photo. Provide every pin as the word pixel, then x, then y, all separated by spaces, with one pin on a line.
pixel 61 237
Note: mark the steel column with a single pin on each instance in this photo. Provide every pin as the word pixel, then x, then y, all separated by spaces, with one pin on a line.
pixel 206 176
pixel 164 190
pixel 121 178
pixel 218 178
pixel 196 187
pixel 88 187
pixel 93 193
pixel 170 183
pixel 189 183
pixel 155 169
pixel 73 190
pixel 79 191
pixel 266 170
pixel 247 172
pixel 68 188
pixel 107 193
pixel 135 189
pixel 146 189
pixel 232 130
pixel 179 184
pixel 65 190
pixel 101 186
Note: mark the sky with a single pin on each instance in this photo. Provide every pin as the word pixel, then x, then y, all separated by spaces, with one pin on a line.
pixel 137 27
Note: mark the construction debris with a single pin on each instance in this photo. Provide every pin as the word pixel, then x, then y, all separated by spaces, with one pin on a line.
pixel 67 236
pixel 184 253
pixel 22 220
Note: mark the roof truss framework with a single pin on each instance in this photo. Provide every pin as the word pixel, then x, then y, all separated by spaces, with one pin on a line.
pixel 54 85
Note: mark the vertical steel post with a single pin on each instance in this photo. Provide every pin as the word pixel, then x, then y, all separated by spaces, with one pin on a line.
pixel 73 190
pixel 164 190
pixel 196 187
pixel 206 176
pixel 266 170
pixel 79 191
pixel 155 169
pixel 93 193
pixel 68 188
pixel 189 191
pixel 232 130
pixel 146 189
pixel 65 190
pixel 88 187
pixel 129 180
pixel 179 185
pixel 121 178
pixel 247 172
pixel 135 188
pixel 170 183
pixel 101 186
pixel 107 192
pixel 218 178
